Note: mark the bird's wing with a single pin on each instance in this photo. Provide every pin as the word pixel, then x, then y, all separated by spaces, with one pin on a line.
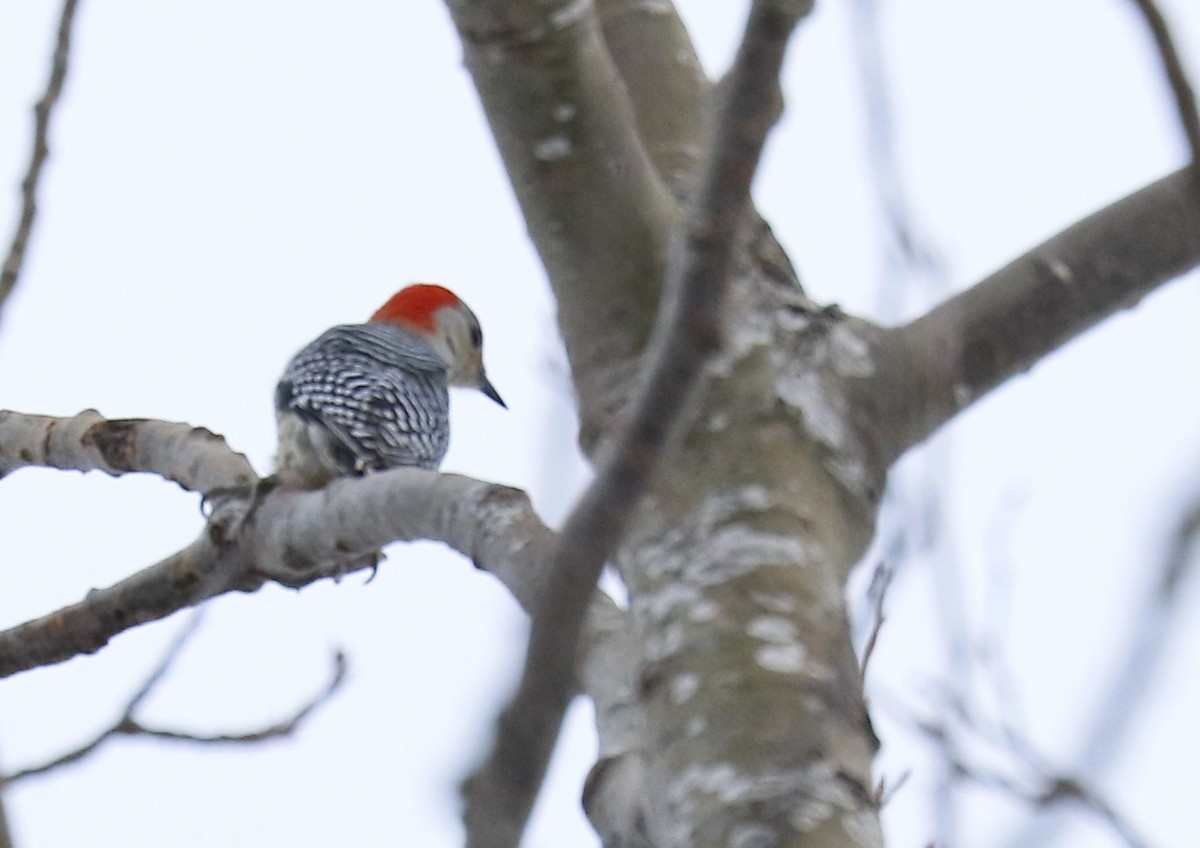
pixel 385 409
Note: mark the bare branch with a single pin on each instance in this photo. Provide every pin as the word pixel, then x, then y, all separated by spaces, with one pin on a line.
pixel 934 367
pixel 593 203
pixel 190 629
pixel 881 581
pixel 884 793
pixel 128 724
pixel 669 91
pixel 914 271
pixel 198 572
pixel 1119 706
pixel 1042 786
pixel 278 730
pixel 501 792
pixel 1181 88
pixel 148 686
pixel 6 840
pixel 1183 553
pixel 42 111
pixel 297 538
pixel 195 458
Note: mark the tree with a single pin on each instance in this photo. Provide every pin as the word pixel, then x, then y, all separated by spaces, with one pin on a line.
pixel 767 493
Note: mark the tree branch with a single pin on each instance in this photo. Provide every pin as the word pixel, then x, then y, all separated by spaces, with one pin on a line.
pixel 297 538
pixel 1177 79
pixel 198 572
pixel 668 89
pixel 294 538
pixel 6 840
pixel 128 725
pixel 1105 733
pixel 931 369
pixel 592 200
pixel 42 111
pixel 280 729
pixel 195 458
pixel 1041 785
pixel 500 793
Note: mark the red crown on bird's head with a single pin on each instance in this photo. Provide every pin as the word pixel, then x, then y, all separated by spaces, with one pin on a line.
pixel 415 306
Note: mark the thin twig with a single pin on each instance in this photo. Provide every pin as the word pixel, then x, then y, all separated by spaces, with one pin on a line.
pixel 881 581
pixel 164 665
pixel 911 255
pixel 1124 696
pixel 990 649
pixel 884 793
pixel 1042 785
pixel 500 793
pixel 151 682
pixel 279 729
pixel 1181 87
pixel 128 725
pixel 6 840
pixel 41 150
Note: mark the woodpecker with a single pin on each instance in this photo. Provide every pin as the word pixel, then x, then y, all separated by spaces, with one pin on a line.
pixel 367 397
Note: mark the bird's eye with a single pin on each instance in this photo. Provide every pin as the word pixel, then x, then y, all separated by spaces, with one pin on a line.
pixel 476 337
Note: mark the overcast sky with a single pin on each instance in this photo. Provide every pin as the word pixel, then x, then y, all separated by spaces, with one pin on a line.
pixel 229 178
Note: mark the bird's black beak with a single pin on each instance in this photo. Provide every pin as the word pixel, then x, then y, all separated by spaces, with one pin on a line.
pixel 485 386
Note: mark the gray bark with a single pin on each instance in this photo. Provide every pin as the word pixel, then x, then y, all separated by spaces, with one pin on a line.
pixel 729 703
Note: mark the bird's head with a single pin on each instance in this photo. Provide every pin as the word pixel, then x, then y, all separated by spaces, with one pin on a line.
pixel 449 326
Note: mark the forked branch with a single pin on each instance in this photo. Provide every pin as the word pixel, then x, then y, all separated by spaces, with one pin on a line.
pixel 500 794
pixel 593 203
pixel 934 367
pixel 128 724
pixel 294 538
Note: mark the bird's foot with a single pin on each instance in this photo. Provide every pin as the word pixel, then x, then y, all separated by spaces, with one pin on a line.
pixel 230 509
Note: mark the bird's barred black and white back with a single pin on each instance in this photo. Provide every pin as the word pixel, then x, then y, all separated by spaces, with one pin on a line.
pixel 362 397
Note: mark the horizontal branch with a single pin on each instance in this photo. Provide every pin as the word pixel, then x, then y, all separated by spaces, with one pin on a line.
pixel 931 369
pixel 297 538
pixel 195 458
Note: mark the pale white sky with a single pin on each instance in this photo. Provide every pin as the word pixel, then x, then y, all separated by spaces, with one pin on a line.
pixel 228 179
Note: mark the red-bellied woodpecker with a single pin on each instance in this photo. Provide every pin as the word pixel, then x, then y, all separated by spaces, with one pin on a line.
pixel 366 397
